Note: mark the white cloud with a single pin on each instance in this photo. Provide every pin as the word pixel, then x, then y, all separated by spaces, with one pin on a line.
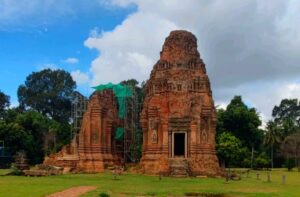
pixel 25 15
pixel 71 60
pixel 250 47
pixel 130 50
pixel 94 33
pixel 221 105
pixel 79 77
pixel 20 13
pixel 263 95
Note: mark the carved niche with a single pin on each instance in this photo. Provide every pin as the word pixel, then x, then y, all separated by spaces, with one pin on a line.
pixel 204 129
pixel 153 128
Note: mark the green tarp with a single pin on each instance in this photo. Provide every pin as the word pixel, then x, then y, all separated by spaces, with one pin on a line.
pixel 119 133
pixel 121 92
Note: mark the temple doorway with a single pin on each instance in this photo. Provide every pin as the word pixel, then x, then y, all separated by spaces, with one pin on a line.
pixel 179 148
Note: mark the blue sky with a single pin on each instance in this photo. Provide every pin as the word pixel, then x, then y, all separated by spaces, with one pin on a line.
pixel 250 47
pixel 31 45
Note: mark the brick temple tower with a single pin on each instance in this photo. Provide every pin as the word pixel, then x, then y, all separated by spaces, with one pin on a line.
pixel 179 116
pixel 92 149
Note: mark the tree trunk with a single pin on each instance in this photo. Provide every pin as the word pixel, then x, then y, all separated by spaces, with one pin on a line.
pixel 252 157
pixel 298 157
pixel 272 162
pixel 54 142
pixel 296 161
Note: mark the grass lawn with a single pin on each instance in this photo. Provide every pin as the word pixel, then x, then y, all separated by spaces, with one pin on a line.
pixel 135 185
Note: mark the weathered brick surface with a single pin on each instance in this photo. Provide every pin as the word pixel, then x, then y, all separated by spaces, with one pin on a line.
pixel 179 99
pixel 92 149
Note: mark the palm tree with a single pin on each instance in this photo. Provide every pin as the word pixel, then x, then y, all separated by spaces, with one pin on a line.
pixel 272 137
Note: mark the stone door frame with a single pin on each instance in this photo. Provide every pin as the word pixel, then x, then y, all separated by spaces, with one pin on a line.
pixel 185 143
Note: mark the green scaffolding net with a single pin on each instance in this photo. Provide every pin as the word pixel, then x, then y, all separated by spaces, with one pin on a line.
pixel 119 133
pixel 121 92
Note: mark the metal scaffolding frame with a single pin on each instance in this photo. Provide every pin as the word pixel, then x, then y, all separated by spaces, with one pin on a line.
pixel 78 108
pixel 130 123
pixel 131 126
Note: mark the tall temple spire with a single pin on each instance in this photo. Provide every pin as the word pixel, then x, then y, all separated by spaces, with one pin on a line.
pixel 179 116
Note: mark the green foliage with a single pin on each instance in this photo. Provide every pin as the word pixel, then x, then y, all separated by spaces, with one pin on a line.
pixel 272 134
pixel 40 124
pixel 4 102
pixel 10 115
pixel 242 122
pixel 289 164
pixel 288 108
pixel 103 194
pixel 290 148
pixel 261 161
pixel 49 92
pixel 139 90
pixel 230 150
pixel 272 138
pixel 28 131
pixel 136 148
pixel 220 123
pixel 287 116
pixel 36 125
pixel 14 170
pixel 15 137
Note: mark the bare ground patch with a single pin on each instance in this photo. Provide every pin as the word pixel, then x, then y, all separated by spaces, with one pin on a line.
pixel 73 191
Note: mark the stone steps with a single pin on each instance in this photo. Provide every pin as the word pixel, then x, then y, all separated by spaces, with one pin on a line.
pixel 179 167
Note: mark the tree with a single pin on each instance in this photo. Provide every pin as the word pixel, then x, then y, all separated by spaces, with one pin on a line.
pixel 290 148
pixel 138 90
pixel 287 115
pixel 15 137
pixel 272 137
pixel 4 103
pixel 261 161
pixel 220 123
pixel 36 126
pixel 229 149
pixel 242 122
pixel 138 97
pixel 49 92
pixel 28 131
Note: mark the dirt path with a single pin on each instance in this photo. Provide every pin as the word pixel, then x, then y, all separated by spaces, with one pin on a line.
pixel 73 191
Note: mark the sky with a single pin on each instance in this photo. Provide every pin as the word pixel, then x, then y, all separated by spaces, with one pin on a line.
pixel 251 47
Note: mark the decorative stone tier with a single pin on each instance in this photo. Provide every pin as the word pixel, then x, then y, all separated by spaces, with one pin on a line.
pixel 93 148
pixel 179 117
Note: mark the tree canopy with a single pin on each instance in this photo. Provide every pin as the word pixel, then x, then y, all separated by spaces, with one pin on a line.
pixel 290 148
pixel 272 138
pixel 49 92
pixel 272 134
pixel 229 149
pixel 29 131
pixel 4 102
pixel 241 121
pixel 287 116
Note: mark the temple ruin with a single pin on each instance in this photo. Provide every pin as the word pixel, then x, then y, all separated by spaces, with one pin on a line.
pixel 97 145
pixel 179 117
